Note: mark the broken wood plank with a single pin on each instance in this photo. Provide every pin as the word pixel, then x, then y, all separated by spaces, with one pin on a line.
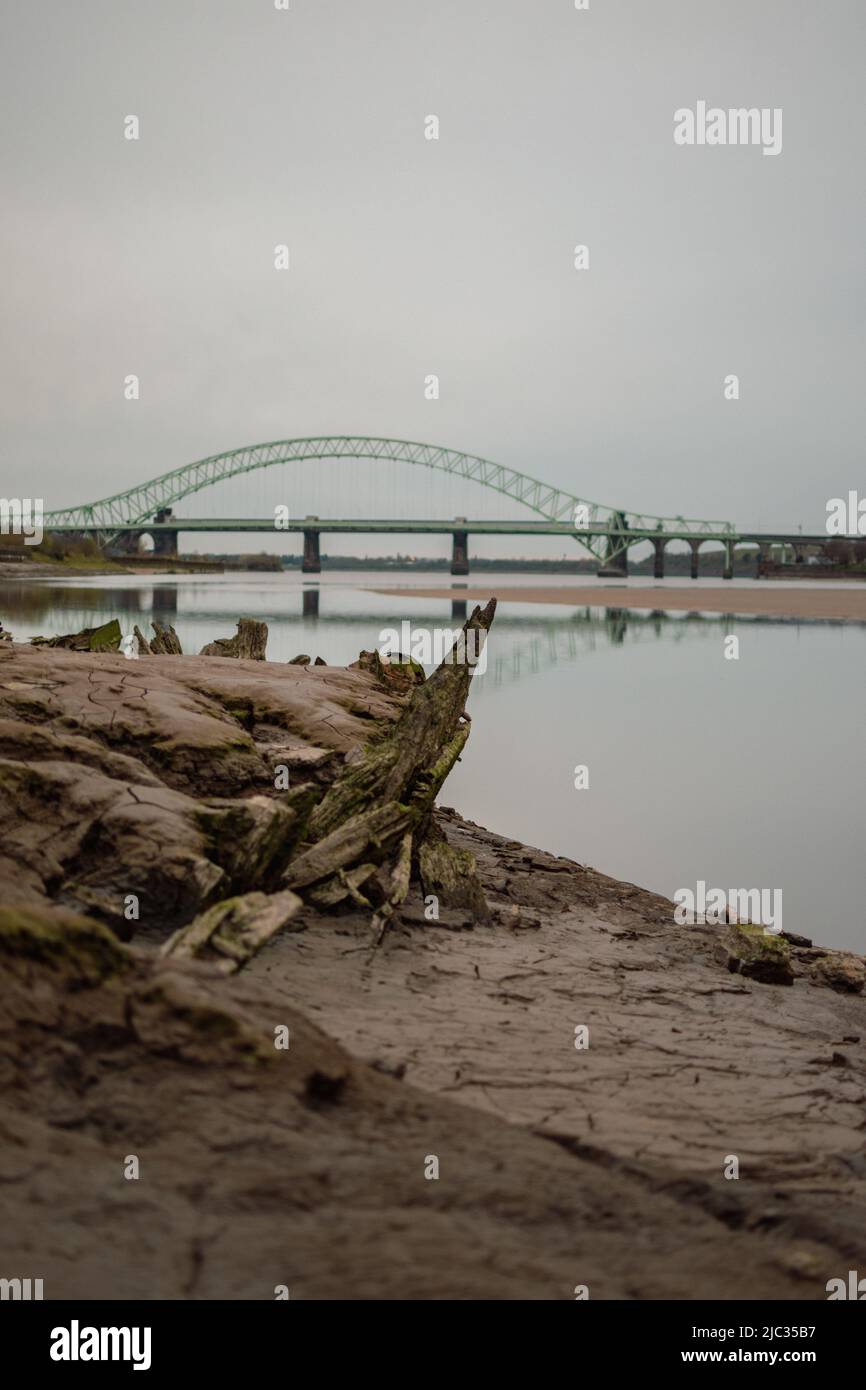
pixel 398 890
pixel 367 833
pixel 234 930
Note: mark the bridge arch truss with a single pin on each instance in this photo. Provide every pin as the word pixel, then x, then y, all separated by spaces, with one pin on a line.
pixel 138 505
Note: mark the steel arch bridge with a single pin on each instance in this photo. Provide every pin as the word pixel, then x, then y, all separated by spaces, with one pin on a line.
pixel 600 525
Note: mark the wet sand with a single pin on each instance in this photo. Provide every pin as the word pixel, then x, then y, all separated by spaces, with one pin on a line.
pixel 842 604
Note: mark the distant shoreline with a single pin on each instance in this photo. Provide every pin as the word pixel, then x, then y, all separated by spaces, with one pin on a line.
pixel 846 605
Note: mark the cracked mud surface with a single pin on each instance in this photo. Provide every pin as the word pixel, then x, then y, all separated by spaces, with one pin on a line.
pixel 305 1167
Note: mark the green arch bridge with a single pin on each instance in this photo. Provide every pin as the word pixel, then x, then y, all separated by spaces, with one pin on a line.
pixel 119 521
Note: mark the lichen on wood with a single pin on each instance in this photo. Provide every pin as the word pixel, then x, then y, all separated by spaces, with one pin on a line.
pixel 450 875
pixel 756 953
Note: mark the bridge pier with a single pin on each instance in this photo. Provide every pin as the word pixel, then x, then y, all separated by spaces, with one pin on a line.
pixel 460 552
pixel 728 571
pixel 312 561
pixel 164 542
pixel 764 551
pixel 615 563
pixel 695 545
pixel 659 562
pixel 127 543
pixel 311 603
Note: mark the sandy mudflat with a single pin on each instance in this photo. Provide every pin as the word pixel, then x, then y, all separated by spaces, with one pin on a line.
pixel 846 604
pixel 452 1037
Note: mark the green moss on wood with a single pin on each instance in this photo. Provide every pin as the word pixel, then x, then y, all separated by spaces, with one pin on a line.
pixel 84 950
pixel 757 953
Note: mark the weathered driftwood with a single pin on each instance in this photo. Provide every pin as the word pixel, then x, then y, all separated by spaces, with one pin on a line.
pixel 144 647
pixel 165 642
pixel 365 834
pixel 344 884
pixel 410 763
pixel 90 639
pixel 397 889
pixel 251 841
pixel 249 642
pixel 234 929
pixel 449 874
pixel 397 672
pixel 377 812
pixel 254 839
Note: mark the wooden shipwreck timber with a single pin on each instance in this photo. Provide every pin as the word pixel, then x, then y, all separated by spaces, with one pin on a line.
pixel 372 829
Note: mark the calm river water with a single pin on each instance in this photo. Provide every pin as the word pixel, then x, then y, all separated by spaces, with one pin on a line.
pixel 743 774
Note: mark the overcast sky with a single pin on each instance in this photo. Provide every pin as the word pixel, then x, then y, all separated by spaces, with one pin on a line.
pixel 454 257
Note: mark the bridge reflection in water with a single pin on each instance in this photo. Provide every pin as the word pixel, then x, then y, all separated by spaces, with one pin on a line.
pixel 337 621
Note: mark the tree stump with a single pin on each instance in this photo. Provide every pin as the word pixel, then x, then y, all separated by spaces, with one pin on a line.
pixel 166 641
pixel 248 644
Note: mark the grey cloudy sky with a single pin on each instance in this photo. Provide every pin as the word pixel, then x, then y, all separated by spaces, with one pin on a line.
pixel 455 257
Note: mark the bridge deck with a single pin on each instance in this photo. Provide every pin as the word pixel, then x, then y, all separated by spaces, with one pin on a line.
pixel 442 527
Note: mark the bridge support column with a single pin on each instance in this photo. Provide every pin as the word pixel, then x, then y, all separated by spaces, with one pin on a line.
pixel 764 552
pixel 695 545
pixel 164 542
pixel 659 562
pixel 312 561
pixel 460 553
pixel 311 603
pixel 728 571
pixel 615 564
pixel 126 543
